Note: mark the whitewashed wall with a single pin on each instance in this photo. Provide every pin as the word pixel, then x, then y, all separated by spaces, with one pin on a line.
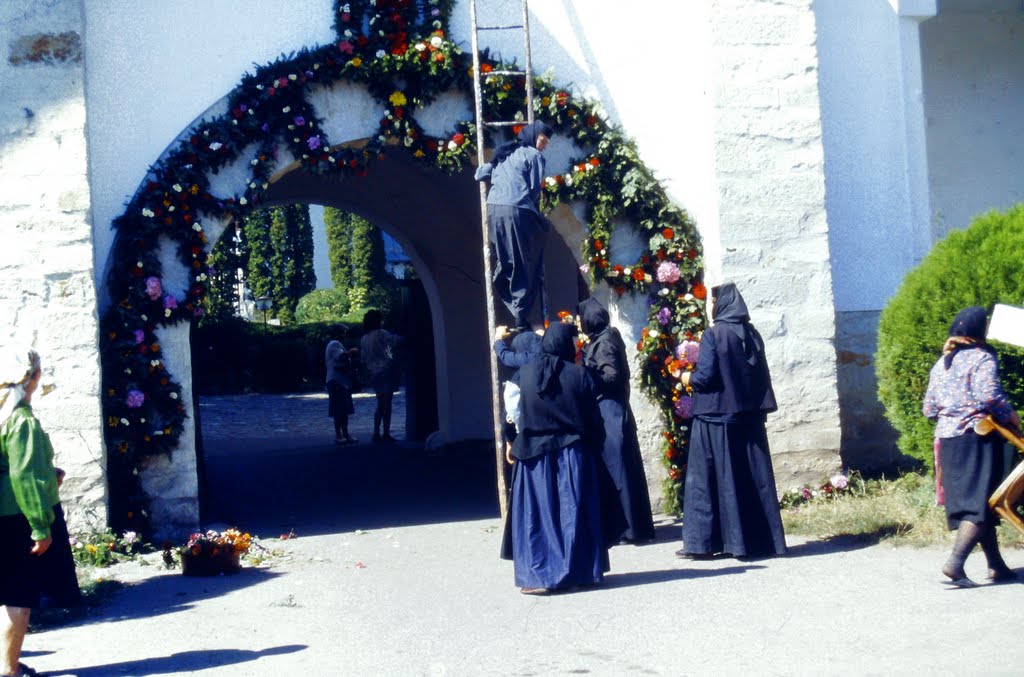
pixel 47 295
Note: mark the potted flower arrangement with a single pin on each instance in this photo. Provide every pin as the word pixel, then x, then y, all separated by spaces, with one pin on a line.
pixel 214 552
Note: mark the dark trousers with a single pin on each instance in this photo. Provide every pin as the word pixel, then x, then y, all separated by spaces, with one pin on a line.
pixel 517 240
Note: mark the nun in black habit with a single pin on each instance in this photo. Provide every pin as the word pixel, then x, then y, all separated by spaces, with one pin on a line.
pixel 730 503
pixel 605 358
pixel 555 512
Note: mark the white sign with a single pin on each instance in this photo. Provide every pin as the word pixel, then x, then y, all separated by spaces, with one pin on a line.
pixel 1007 325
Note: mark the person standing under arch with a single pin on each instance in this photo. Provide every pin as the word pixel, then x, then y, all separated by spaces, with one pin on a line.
pixel 516 227
pixel 377 349
pixel 605 356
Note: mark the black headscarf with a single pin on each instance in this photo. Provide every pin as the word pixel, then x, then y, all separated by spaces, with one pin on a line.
pixel 730 309
pixel 966 331
pixel 526 342
pixel 557 347
pixel 593 316
pixel 527 137
pixel 970 322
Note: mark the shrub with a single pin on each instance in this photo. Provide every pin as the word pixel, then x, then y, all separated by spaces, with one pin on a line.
pixel 977 266
pixel 322 305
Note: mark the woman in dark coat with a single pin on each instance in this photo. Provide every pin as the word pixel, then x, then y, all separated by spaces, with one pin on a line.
pixel 517 228
pixel 605 357
pixel 730 503
pixel 964 388
pixel 555 511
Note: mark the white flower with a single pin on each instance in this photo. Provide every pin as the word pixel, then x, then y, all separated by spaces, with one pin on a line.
pixel 550 181
pixel 171 208
pixel 259 87
pixel 177 187
pixel 155 363
pixel 452 145
pixel 627 271
pixel 568 180
pixel 653 333
pixel 408 141
pixel 436 41
pixel 242 201
pixel 348 33
pixel 148 212
pixel 437 24
pixel 254 162
pixel 380 53
pixel 167 312
pixel 174 396
pixel 286 109
pixel 604 252
pixel 124 421
pixel 198 227
pixel 293 77
pixel 420 46
pixel 663 291
pixel 688 297
pixel 216 145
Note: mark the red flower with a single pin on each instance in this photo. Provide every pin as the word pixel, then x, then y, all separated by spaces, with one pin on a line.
pixel 486 68
pixel 439 56
pixel 459 138
pixel 593 162
pixel 700 291
pixel 668 233
pixel 638 274
pixel 562 98
pixel 598 245
pixel 692 254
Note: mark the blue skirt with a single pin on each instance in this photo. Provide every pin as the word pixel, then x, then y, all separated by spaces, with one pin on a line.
pixel 555 520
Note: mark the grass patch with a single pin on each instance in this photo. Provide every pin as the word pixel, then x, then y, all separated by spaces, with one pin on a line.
pixel 901 511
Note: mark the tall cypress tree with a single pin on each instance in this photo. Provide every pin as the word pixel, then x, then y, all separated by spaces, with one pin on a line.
pixel 257 245
pixel 371 285
pixel 339 246
pixel 226 258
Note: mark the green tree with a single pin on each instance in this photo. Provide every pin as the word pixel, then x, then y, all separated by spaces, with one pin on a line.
pixel 371 287
pixel 258 252
pixel 977 266
pixel 338 224
pixel 225 260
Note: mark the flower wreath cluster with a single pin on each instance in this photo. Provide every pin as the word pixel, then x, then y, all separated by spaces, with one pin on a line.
pixel 401 52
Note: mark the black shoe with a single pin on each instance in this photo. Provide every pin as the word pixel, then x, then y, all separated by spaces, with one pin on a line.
pixel 682 554
pixel 386 437
pixel 375 438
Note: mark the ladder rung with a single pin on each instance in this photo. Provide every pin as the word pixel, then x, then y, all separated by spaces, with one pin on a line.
pixel 505 124
pixel 500 28
pixel 490 73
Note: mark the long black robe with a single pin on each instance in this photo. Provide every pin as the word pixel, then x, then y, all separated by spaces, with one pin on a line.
pixel 730 502
pixel 605 358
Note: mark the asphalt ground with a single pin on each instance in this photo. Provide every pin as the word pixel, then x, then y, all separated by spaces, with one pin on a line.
pixel 394 571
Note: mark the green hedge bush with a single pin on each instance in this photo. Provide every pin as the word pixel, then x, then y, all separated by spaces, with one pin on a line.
pixel 322 305
pixel 977 266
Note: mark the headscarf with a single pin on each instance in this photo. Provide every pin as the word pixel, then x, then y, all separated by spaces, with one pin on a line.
pixel 527 342
pixel 526 138
pixel 593 317
pixel 966 331
pixel 557 347
pixel 16 369
pixel 730 309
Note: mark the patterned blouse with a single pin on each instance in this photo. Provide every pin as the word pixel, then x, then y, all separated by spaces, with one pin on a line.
pixel 965 393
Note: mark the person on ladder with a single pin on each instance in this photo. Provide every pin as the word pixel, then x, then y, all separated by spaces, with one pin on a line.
pixel 516 227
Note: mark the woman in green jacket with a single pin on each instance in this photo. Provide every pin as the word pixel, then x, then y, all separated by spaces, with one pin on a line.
pixel 36 569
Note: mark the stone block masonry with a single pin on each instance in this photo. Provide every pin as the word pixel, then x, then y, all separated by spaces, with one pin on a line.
pixel 48 297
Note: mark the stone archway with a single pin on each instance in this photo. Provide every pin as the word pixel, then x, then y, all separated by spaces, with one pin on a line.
pixel 318 114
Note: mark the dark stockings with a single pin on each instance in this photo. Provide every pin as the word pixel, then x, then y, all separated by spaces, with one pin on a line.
pixel 997 568
pixel 382 416
pixel 341 427
pixel 968 535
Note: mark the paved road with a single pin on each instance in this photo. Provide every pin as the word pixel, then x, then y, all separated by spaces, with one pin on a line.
pixel 394 572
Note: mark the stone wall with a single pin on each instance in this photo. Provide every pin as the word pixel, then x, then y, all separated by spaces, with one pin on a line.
pixel 48 296
pixel 773 230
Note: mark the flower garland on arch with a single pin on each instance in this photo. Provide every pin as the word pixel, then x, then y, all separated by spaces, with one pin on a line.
pixel 399 50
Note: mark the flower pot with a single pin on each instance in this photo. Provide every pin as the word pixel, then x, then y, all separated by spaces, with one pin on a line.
pixel 206 564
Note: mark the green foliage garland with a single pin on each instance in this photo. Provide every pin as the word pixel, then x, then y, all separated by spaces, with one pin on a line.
pixel 400 51
pixel 973 267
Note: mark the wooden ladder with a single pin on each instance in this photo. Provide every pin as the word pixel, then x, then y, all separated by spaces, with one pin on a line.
pixel 481 124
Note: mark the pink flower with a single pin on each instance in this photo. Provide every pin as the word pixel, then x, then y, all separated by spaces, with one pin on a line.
pixel 840 482
pixel 140 336
pixel 170 302
pixel 668 272
pixel 135 399
pixel 688 351
pixel 153 288
pixel 684 407
pixel 313 142
pixel 664 316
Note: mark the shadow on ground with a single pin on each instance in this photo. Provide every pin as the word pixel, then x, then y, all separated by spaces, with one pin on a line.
pixel 329 489
pixel 179 663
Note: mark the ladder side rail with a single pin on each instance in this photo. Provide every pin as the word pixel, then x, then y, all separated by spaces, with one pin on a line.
pixel 488 285
pixel 529 62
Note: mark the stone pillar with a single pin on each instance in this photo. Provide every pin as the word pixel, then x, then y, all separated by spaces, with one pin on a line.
pixel 48 298
pixel 773 231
